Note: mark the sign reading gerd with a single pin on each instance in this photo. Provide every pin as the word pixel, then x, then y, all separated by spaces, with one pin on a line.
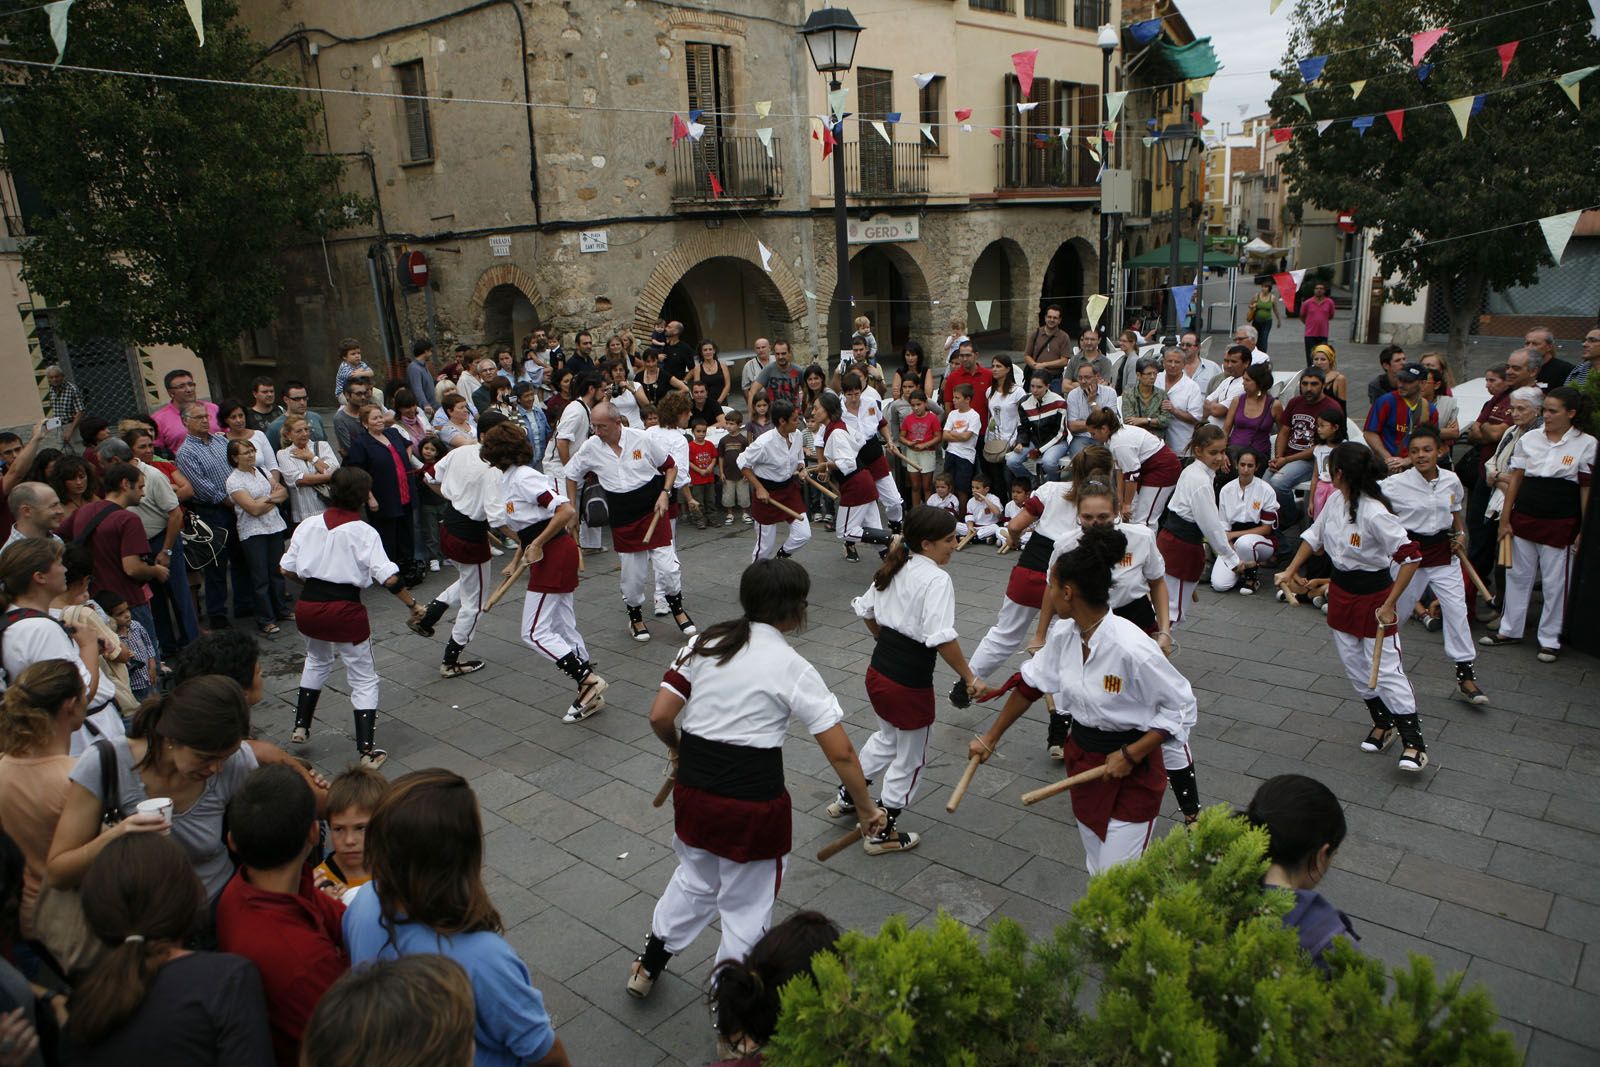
pixel 885 229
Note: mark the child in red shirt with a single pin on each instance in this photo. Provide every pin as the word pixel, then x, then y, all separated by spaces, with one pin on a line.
pixel 920 433
pixel 702 471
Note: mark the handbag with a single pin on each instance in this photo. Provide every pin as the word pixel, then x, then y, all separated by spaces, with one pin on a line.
pixel 58 920
pixel 202 546
pixel 592 505
pixel 995 447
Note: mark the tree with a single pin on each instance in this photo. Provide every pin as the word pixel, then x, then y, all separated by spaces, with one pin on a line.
pixel 1427 199
pixel 161 204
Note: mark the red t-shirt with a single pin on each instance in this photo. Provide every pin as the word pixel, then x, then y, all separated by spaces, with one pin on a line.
pixel 700 454
pixel 920 429
pixel 980 380
pixel 118 535
pixel 295 942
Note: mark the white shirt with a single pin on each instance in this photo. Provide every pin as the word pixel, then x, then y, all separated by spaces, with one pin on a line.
pixel 573 427
pixel 839 448
pixel 1140 566
pixel 1369 543
pixel 1057 516
pixel 950 503
pixel 1422 506
pixel 1003 415
pixel 1256 503
pixel 530 497
pixel 1185 396
pixel 676 443
pixel 920 603
pixel 1125 682
pixel 1320 455
pixel 1195 499
pixel 983 511
pixel 303 500
pixel 1203 373
pixel 349 554
pixel 258 485
pixel 627 404
pixel 750 699
pixel 1258 356
pixel 638 459
pixel 1571 458
pixel 1225 392
pixel 965 422
pixel 28 641
pixel 470 485
pixel 772 458
pixel 1078 405
pixel 868 416
pixel 1132 446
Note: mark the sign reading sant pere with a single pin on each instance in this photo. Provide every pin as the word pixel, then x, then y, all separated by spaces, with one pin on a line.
pixel 885 229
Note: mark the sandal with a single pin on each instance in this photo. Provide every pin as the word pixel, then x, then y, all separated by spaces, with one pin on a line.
pixel 1413 760
pixel 300 736
pixel 1378 739
pixel 270 629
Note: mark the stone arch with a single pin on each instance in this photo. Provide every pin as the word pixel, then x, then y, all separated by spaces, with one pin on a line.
pixel 787 306
pixel 504 274
pixel 1000 274
pixel 1072 274
pixel 903 311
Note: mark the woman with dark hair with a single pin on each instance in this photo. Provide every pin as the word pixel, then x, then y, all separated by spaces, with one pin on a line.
pixel 1254 416
pixel 255 498
pixel 541 518
pixel 92 430
pixel 383 453
pixel 813 383
pixel 335 555
pixel 709 371
pixel 910 610
pixel 1192 521
pixel 1147 470
pixel 1305 826
pixel 561 395
pixel 149 999
pixel 234 418
pixel 652 381
pixel 415 1011
pixel 458 427
pixel 916 374
pixel 1249 507
pixel 1005 421
pixel 744 993
pixel 75 483
pixel 735 689
pixel 424 848
pixel 857 491
pixel 1362 538
pixel 1125 699
pixel 771 465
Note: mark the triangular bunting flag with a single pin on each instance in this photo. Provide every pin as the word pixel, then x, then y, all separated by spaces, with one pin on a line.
pixel 893 116
pixel 1422 42
pixel 764 135
pixel 694 116
pixel 1145 32
pixel 963 114
pixel 57 13
pixel 1025 108
pixel 1095 307
pixel 1300 98
pixel 983 307
pixel 1423 72
pixel 927 131
pixel 1362 123
pixel 1558 231
pixel 1022 63
pixel 697 130
pixel 1063 132
pixel 1322 126
pixel 827 141
pixel 1199 119
pixel 1110 135
pixel 766 257
pixel 1356 87
pixel 1397 119
pixel 966 127
pixel 923 80
pixel 1478 102
pixel 1281 134
pixel 1506 51
pixel 716 186
pixel 1573 77
pixel 809 295
pixel 997 131
pixel 883 131
pixel 1197 86
pixel 1594 26
pixel 763 108
pixel 1150 124
pixel 1311 69
pixel 679 130
pixel 1114 105
pixel 1182 297
pixel 1572 93
pixel 1148 142
pixel 1286 289
pixel 1272 8
pixel 836 101
pixel 194 17
pixel 1461 108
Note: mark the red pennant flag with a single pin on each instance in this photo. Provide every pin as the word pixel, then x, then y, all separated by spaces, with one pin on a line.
pixel 1199 119
pixel 716 186
pixel 1281 134
pixel 963 114
pixel 1111 136
pixel 1022 63
pixel 1397 119
pixel 1285 283
pixel 827 141
pixel 1506 51
pixel 1422 42
pixel 996 131
pixel 680 130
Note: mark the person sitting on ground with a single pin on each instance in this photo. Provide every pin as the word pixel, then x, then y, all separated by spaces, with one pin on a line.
pixel 1304 826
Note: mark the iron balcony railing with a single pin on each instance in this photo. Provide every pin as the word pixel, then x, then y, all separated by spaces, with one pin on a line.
pixel 875 169
pixel 1033 164
pixel 742 167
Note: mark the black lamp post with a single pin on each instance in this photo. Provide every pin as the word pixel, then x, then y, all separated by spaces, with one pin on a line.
pixel 831 37
pixel 1177 141
pixel 1108 40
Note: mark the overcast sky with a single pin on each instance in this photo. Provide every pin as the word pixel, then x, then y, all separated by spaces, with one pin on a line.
pixel 1249 42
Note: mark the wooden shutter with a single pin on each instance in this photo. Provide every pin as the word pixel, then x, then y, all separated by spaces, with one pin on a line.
pixel 929 101
pixel 874 100
pixel 418 126
pixel 710 93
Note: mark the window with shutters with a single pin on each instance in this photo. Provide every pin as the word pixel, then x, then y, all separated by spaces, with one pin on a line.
pixel 930 104
pixel 1090 14
pixel 1047 10
pixel 710 82
pixel 417 126
pixel 874 101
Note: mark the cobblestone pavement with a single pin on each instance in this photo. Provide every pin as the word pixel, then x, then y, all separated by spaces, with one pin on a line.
pixel 1488 861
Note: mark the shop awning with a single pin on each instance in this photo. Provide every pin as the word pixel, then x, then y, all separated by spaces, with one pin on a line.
pixel 1161 256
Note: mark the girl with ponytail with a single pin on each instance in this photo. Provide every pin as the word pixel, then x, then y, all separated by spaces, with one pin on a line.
pixel 1363 539
pixel 1193 520
pixel 1123 695
pixel 910 610
pixel 723 711
pixel 744 993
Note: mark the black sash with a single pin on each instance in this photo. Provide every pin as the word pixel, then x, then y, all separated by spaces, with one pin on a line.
pixel 775 487
pixel 1140 612
pixel 1182 528
pixel 1036 553
pixel 473 530
pixel 1103 741
pixel 1244 526
pixel 736 771
pixel 1548 498
pixel 526 535
pixel 902 660
pixel 317 591
pixel 1423 539
pixel 631 505
pixel 1361 583
pixel 870 452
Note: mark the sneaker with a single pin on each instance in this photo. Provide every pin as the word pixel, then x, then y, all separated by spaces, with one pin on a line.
pixel 1496 640
pixel 851 554
pixel 727 520
pixel 1282 596
pixel 460 667
pixel 496 550
pixel 898 841
pixel 959 695
pixel 661 607
pixel 1058 753
pixel 1433 624
pixel 639 983
pixel 433 565
pixel 373 758
pixel 747 519
pixel 1548 655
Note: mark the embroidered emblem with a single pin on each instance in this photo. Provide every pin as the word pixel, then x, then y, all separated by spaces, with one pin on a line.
pixel 1113 684
pixel 1355 540
pixel 637 454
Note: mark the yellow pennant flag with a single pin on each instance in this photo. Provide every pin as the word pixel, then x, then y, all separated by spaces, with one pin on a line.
pixel 1356 87
pixel 1096 306
pixel 1461 108
pixel 763 108
pixel 194 17
pixel 1273 8
pixel 1198 85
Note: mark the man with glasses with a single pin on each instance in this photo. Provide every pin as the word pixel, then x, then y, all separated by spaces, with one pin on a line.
pixel 297 401
pixel 1088 352
pixel 1201 371
pixel 203 459
pixel 346 421
pixel 1552 372
pixel 1246 335
pixel 171 427
pixel 1591 356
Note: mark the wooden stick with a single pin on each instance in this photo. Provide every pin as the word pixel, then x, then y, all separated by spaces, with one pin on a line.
pixel 650 531
pixel 665 791
pixel 1377 655
pixel 579 549
pixel 1505 557
pixel 786 510
pixel 819 487
pixel 833 848
pixel 1093 774
pixel 961 786
pixel 519 566
pixel 1477 579
pixel 967 540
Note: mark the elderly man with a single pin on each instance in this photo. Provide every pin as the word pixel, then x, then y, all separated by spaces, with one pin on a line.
pixel 65 404
pixel 1248 336
pixel 171 427
pixel 636 473
pixel 203 459
pixel 487 373
pixel 1552 371
pixel 1395 415
pixel 36 511
pixel 1591 357
pixel 1090 395
pixel 161 513
pixel 296 401
pixel 1185 402
pixel 752 369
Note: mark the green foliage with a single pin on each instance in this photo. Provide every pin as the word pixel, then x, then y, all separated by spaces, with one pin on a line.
pixel 161 203
pixel 1195 968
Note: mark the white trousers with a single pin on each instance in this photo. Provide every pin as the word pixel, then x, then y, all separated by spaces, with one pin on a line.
pixel 1150 502
pixel 359 672
pixel 549 625
pixel 1393 686
pixel 767 539
pixel 895 758
pixel 1554 567
pixel 1252 548
pixel 661 585
pixel 1124 841
pixel 850 521
pixel 889 499
pixel 467 595
pixel 636 573
pixel 986 531
pixel 1178 593
pixel 588 537
pixel 1451 590
pixel 1009 632
pixel 706 886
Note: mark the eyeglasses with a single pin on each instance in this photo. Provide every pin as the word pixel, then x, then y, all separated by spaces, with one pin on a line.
pixel 302 396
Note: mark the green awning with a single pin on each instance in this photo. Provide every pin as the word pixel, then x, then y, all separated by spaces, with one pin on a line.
pixel 1196 59
pixel 1161 256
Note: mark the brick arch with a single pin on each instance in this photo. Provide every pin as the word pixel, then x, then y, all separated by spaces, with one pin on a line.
pixel 505 274
pixel 906 258
pixel 785 301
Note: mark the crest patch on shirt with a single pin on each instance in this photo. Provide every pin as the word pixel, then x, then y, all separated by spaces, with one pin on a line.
pixel 1127 560
pixel 637 454
pixel 1568 459
pixel 1112 683
pixel 511 508
pixel 1355 540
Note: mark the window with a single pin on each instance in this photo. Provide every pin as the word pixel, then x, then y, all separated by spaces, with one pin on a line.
pixel 930 103
pixel 990 5
pixel 1048 10
pixel 418 132
pixel 710 84
pixel 1090 14
pixel 874 100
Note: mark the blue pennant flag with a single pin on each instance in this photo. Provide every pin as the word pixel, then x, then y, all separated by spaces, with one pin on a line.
pixel 893 116
pixel 694 115
pixel 1423 71
pixel 1145 32
pixel 1477 103
pixel 1311 69
pixel 1182 297
pixel 1363 123
pixel 1151 123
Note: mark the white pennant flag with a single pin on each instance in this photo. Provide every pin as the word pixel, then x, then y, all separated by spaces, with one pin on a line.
pixel 883 131
pixel 764 135
pixel 1114 105
pixel 697 130
pixel 1021 107
pixel 766 257
pixel 966 127
pixel 1322 126
pixel 1062 132
pixel 809 295
pixel 927 131
pixel 983 307
pixel 922 80
pixel 836 101
pixel 194 17
pixel 1298 276
pixel 1558 231
pixel 58 25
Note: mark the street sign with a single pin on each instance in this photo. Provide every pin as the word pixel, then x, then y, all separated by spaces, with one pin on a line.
pixel 1346 221
pixel 884 229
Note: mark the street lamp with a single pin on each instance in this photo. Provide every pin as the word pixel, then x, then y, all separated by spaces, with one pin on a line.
pixel 1177 141
pixel 1107 40
pixel 831 38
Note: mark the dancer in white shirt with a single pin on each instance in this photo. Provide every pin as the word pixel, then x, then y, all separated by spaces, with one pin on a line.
pixel 771 464
pixel 1248 506
pixel 1192 520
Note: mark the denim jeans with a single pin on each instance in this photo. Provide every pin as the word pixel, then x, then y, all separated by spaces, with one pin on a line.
pixel 1049 462
pixel 263 553
pixel 171 603
pixel 1283 482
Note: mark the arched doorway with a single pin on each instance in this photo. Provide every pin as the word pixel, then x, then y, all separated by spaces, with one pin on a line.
pixel 728 300
pixel 508 316
pixel 888 287
pixel 1066 282
pixel 999 273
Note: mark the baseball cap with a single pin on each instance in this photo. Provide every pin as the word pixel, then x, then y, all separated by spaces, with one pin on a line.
pixel 1412 372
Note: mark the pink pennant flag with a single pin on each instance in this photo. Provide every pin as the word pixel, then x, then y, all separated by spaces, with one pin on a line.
pixel 1506 51
pixel 1111 135
pixel 963 114
pixel 1286 289
pixel 680 129
pixel 1022 63
pixel 1397 119
pixel 996 131
pixel 1422 42
pixel 1281 134
pixel 716 186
